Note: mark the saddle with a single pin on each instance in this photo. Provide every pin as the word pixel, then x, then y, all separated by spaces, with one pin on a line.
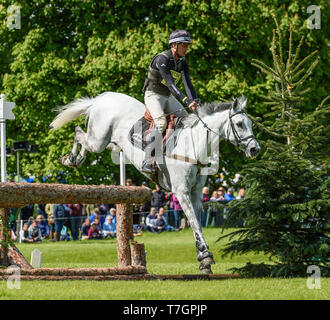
pixel 140 132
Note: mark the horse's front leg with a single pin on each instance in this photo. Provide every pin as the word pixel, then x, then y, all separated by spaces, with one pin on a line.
pixel 204 256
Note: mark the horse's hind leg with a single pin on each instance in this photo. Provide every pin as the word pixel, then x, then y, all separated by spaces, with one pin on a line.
pixel 81 157
pixel 93 141
pixel 73 160
pixel 70 160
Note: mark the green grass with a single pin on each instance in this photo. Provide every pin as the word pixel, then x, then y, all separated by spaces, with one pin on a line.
pixel 167 253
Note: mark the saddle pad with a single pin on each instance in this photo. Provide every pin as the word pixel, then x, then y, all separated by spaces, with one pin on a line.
pixel 140 130
pixel 137 134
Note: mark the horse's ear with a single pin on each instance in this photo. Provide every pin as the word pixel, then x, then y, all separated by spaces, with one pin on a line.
pixel 243 102
pixel 235 104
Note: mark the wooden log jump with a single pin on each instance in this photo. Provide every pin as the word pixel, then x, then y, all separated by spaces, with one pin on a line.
pixel 15 195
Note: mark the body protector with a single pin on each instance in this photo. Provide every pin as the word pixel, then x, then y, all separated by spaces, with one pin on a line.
pixel 161 81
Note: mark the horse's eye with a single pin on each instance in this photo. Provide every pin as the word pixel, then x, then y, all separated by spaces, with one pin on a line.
pixel 240 124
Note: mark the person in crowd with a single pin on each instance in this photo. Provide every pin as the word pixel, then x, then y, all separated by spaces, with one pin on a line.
pixel 221 195
pixel 25 233
pixel 170 205
pixel 113 214
pixel 94 232
pixel 13 215
pixel 67 220
pixel 129 182
pixel 103 209
pixel 65 234
pixel 34 232
pixel 49 208
pixel 160 223
pixel 177 210
pixel 136 214
pixel 75 219
pixel 137 220
pixel 241 194
pixel 59 217
pixel 150 220
pixel 41 209
pixel 43 226
pixel 145 207
pixel 26 212
pixel 229 196
pixel 109 228
pixel 220 213
pixel 158 198
pixel 217 196
pixel 97 221
pixel 85 228
pixel 89 208
pixel 96 213
pixel 205 208
pixel 214 196
pixel 30 220
pixel 161 213
pixel 12 223
pixel 51 225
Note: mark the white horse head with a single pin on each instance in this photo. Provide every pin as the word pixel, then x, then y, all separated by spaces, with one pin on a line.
pixel 239 131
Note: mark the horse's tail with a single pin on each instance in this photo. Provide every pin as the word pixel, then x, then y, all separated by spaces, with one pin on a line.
pixel 71 111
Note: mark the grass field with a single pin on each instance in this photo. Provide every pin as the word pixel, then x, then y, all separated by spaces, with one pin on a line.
pixel 167 253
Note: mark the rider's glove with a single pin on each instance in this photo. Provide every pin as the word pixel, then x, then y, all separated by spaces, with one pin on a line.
pixel 198 101
pixel 187 101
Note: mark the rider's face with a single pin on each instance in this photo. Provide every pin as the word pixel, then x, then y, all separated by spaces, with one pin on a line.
pixel 182 49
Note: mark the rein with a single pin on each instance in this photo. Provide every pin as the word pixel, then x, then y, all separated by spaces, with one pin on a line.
pixel 231 126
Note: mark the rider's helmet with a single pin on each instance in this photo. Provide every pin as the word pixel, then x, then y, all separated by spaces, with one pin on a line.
pixel 179 36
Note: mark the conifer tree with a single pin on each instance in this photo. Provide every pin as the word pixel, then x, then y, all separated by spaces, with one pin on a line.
pixel 286 210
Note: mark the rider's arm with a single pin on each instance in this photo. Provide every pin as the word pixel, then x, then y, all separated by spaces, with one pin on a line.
pixel 190 90
pixel 163 66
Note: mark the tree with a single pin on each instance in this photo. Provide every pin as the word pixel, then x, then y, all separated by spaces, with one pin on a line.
pixel 68 49
pixel 286 211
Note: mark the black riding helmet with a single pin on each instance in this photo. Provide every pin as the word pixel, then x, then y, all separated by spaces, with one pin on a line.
pixel 179 36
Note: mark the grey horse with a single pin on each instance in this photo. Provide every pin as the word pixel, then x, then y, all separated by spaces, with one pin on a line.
pixel 184 167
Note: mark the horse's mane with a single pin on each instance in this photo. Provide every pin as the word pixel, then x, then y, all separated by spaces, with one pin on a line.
pixel 204 110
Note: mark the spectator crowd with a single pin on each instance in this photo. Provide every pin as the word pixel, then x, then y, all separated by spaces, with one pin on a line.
pixel 163 213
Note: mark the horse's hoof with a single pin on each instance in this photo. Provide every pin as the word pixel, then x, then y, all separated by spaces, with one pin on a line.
pixel 205 265
pixel 79 161
pixel 207 261
pixel 206 270
pixel 65 160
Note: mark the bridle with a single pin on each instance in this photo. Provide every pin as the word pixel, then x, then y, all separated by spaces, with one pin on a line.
pixel 238 139
pixel 231 126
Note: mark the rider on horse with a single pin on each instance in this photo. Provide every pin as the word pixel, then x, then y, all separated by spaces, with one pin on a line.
pixel 162 99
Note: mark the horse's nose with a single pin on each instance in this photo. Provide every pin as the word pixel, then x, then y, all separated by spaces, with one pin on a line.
pixel 254 151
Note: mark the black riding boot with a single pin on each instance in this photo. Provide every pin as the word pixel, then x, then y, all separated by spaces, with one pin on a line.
pixel 147 164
